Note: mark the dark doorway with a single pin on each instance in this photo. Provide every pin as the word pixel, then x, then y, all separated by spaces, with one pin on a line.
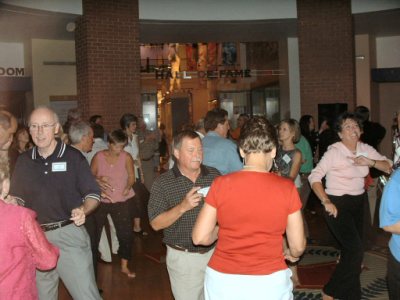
pixel 330 112
pixel 180 113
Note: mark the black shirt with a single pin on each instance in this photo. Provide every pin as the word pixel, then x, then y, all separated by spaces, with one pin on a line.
pixel 55 185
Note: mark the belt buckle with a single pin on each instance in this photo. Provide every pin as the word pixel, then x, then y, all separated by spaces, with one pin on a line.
pixel 53 226
pixel 181 248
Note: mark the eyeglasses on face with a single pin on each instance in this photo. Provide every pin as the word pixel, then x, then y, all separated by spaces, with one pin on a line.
pixel 35 127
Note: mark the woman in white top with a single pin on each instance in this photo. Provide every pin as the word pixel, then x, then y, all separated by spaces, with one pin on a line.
pixel 396 140
pixel 128 123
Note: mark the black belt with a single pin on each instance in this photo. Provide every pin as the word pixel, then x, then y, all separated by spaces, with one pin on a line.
pixel 55 225
pixel 179 248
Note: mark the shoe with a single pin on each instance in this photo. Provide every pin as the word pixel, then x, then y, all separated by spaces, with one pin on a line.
pixel 141 232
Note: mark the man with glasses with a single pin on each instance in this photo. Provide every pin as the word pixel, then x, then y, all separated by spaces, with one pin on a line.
pixel 55 181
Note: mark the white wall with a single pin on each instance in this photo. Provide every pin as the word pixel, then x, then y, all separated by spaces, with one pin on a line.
pixel 65 6
pixel 388 56
pixel 52 80
pixel 363 6
pixel 388 52
pixel 217 10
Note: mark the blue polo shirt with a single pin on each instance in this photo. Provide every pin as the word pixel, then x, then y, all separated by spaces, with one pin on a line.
pixel 389 212
pixel 221 153
pixel 55 185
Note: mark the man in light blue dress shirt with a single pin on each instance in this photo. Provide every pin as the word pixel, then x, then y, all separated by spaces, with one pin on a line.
pixel 389 216
pixel 219 152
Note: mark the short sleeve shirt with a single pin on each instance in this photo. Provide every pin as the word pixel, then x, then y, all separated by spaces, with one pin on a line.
pixel 168 190
pixel 389 213
pixel 252 213
pixel 221 153
pixel 55 185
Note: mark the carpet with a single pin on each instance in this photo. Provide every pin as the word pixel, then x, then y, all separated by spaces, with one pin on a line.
pixel 318 264
pixel 315 276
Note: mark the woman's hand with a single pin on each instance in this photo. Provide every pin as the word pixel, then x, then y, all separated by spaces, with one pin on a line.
pixel 126 191
pixel 361 160
pixel 288 256
pixel 330 208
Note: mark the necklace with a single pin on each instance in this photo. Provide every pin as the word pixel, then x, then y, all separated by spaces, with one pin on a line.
pixel 255 168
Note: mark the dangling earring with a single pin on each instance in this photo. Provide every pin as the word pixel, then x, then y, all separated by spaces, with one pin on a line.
pixel 244 161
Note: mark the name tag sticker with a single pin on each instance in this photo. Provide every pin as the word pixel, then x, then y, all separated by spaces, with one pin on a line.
pixel 286 158
pixel 204 191
pixel 59 167
pixel 365 154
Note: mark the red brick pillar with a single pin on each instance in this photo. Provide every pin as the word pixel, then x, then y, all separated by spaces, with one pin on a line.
pixel 326 53
pixel 108 59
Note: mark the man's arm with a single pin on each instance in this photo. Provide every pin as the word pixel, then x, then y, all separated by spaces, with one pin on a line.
pixel 395 228
pixel 169 217
pixel 89 190
pixel 235 164
pixel 389 212
pixel 78 215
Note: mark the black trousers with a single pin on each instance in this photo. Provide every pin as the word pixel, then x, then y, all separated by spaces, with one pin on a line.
pixel 121 216
pixel 393 277
pixel 91 228
pixel 139 201
pixel 347 228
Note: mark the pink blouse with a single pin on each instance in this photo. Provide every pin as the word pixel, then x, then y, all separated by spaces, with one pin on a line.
pixel 342 176
pixel 117 177
pixel 23 249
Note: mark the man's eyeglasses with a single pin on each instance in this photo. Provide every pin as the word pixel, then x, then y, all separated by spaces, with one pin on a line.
pixel 35 127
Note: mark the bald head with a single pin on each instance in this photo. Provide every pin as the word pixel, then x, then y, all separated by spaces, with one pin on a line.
pixel 44 110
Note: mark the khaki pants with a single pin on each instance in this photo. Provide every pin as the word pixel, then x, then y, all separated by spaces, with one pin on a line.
pixel 186 272
pixel 74 266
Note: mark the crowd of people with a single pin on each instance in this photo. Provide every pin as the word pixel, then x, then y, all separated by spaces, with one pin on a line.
pixel 231 205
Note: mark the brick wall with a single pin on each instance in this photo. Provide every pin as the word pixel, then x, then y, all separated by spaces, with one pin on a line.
pixel 326 53
pixel 108 59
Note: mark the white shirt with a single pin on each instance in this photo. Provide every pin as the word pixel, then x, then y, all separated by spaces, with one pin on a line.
pixel 99 144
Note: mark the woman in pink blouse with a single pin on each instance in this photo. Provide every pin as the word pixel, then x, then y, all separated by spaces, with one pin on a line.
pixel 23 248
pixel 345 166
pixel 117 166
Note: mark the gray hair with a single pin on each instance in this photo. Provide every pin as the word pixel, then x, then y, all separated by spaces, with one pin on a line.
pixel 77 131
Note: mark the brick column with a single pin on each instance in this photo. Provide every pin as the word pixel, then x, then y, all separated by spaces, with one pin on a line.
pixel 108 59
pixel 326 53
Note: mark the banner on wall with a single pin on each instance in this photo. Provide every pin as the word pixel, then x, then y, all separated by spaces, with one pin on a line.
pixel 12 60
